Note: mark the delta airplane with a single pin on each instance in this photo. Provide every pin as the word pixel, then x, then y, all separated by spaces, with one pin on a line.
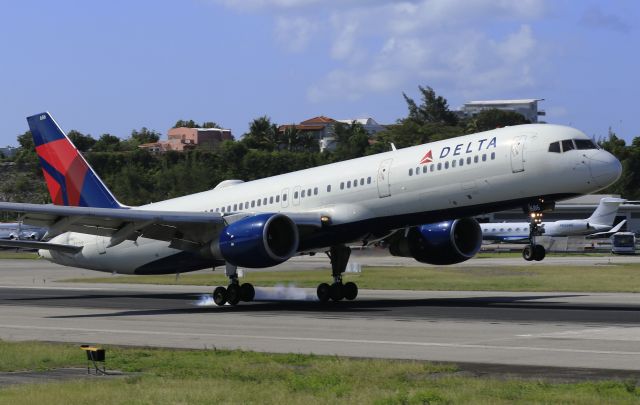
pixel 599 224
pixel 420 198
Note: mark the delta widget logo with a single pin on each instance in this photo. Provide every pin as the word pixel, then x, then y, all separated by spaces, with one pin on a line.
pixel 427 158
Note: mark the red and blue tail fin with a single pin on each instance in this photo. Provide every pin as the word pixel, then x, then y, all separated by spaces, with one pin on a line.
pixel 70 179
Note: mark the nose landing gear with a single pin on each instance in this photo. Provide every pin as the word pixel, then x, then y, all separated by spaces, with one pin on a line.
pixel 339 256
pixel 533 251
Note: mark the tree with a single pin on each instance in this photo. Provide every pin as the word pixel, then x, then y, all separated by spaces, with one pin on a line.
pixel 352 140
pixel 434 108
pixel 82 142
pixel 183 123
pixel 145 135
pixel 494 118
pixel 263 134
pixel 107 143
pixel 210 124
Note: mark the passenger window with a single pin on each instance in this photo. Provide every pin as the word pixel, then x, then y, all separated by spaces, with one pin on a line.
pixel 264 202
pixel 222 209
pixel 461 162
pixel 453 163
pixel 308 192
pixel 271 200
pixel 278 198
pixel 355 183
pixel 228 208
pixel 439 166
pixel 369 180
pixel 342 185
pixel 446 165
pixel 315 191
pixel 493 155
pixel 295 195
pixel 217 209
pixel 303 193
pixel 349 184
pixel 259 202
pixel 585 144
pixel 235 207
pixel 417 170
pixel 484 157
pixel 475 159
pixel 329 188
pixel 284 197
pixel 469 160
pixel 567 145
pixel 253 203
pixel 424 169
pixel 433 167
pixel 554 147
pixel 411 172
pixel 362 181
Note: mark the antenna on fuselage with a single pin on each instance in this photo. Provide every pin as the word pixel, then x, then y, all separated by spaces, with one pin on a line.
pixel 393 146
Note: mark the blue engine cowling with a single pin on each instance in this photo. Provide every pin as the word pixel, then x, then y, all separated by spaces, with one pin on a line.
pixel 447 242
pixel 262 240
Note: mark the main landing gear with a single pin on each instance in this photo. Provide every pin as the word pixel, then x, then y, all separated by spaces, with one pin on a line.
pixel 533 251
pixel 235 292
pixel 339 255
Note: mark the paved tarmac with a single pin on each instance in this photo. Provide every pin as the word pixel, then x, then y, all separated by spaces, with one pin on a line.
pixel 575 330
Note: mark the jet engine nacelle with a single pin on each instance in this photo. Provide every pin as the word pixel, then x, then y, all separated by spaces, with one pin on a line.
pixel 262 240
pixel 447 242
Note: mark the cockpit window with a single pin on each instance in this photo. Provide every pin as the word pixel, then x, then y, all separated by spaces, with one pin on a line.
pixel 554 147
pixel 585 144
pixel 567 145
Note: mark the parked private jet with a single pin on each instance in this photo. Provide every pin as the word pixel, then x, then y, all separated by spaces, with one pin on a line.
pixel 599 224
pixel 424 196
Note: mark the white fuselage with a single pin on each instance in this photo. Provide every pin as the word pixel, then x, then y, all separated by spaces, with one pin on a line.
pixel 468 175
pixel 515 231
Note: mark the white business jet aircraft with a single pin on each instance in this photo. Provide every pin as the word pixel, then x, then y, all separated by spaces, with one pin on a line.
pixel 404 193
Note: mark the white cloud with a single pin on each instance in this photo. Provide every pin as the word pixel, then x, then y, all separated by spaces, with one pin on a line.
pixel 470 46
pixel 294 32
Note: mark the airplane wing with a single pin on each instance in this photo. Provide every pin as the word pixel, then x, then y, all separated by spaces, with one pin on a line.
pixel 29 244
pixel 608 233
pixel 184 230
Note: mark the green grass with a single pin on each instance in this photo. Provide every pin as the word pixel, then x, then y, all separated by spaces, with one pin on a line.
pixel 236 377
pixel 7 254
pixel 597 278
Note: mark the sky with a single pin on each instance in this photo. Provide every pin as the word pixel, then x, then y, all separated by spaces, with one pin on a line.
pixel 111 67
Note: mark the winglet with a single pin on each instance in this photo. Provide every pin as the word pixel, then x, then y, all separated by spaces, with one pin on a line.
pixel 70 179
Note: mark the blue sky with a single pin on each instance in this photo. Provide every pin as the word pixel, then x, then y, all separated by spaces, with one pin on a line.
pixel 110 67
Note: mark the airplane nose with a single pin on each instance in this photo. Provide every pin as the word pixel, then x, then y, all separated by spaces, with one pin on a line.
pixel 605 168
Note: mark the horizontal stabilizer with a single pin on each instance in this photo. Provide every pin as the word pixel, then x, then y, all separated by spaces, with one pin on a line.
pixel 29 244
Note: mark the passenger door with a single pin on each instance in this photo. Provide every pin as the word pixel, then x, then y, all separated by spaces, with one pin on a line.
pixel 517 154
pixel 384 181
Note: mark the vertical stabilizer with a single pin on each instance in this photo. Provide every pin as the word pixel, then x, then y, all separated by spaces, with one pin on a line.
pixel 70 179
pixel 606 211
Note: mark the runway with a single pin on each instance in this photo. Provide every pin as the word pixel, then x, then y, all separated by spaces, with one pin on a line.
pixel 534 329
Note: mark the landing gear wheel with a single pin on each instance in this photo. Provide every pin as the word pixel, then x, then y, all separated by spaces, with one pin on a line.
pixel 233 294
pixel 527 253
pixel 324 292
pixel 350 291
pixel 337 291
pixel 539 252
pixel 220 296
pixel 247 292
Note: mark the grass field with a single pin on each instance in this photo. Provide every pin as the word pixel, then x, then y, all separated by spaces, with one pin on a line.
pixel 597 278
pixel 10 254
pixel 235 377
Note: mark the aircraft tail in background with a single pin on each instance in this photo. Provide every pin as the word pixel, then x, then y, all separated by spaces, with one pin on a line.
pixel 606 211
pixel 70 179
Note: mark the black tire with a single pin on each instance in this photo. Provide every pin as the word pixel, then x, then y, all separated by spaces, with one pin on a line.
pixel 337 291
pixel 350 291
pixel 527 253
pixel 233 294
pixel 247 292
pixel 220 296
pixel 539 252
pixel 324 292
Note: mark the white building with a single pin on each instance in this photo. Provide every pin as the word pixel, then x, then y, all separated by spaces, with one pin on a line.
pixel 369 124
pixel 527 107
